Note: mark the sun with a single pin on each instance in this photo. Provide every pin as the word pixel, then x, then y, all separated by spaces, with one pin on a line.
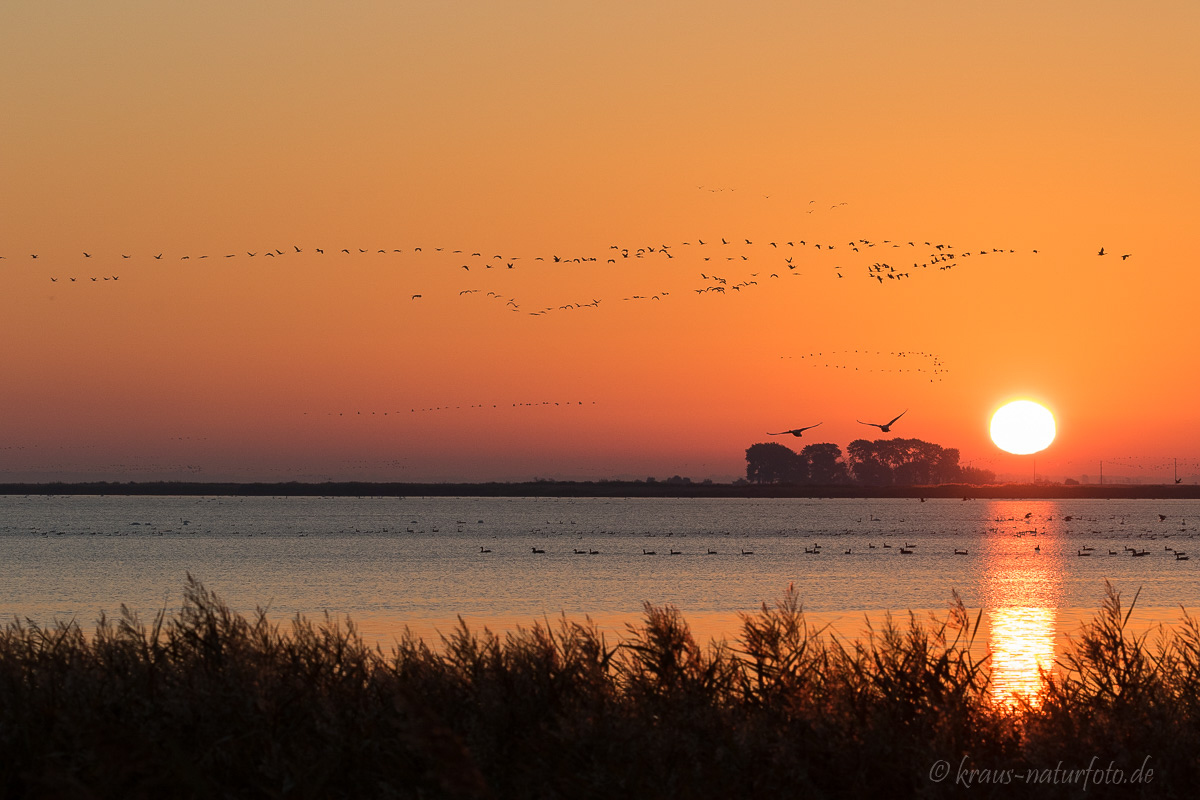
pixel 1023 427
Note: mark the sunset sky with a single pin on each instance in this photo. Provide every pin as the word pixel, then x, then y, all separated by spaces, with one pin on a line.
pixel 534 130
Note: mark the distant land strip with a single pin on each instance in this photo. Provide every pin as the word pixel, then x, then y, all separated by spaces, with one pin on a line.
pixel 547 488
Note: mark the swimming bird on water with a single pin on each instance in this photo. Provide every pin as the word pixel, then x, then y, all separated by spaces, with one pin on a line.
pixel 887 426
pixel 795 431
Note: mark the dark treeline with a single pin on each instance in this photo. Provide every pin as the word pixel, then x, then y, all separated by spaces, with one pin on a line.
pixel 603 488
pixel 208 703
pixel 883 462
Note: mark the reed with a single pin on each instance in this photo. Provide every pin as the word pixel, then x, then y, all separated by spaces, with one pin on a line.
pixel 206 702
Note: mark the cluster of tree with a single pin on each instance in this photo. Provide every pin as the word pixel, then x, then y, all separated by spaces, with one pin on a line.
pixel 883 462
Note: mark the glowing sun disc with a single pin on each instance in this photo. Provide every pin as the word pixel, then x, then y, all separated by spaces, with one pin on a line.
pixel 1023 427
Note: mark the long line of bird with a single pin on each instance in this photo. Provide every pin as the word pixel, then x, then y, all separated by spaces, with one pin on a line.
pixel 941 255
pixel 941 251
pixel 456 407
pixel 785 254
pixel 906 549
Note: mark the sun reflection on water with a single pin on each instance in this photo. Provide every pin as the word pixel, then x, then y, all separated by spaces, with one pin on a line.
pixel 1022 591
pixel 1022 646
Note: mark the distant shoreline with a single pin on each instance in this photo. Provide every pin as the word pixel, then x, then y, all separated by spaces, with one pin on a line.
pixel 613 489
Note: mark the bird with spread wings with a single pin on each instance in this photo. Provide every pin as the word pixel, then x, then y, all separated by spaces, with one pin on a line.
pixel 886 426
pixel 794 431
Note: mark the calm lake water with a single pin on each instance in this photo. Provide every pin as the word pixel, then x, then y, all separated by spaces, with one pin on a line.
pixel 393 562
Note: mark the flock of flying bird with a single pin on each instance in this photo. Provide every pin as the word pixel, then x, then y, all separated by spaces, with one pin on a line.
pixel 888 261
pixel 542 404
pixel 869 361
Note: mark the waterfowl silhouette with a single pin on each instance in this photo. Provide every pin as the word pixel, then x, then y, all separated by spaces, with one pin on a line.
pixel 887 426
pixel 795 431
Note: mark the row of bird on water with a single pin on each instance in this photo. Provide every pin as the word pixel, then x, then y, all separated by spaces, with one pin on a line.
pixel 905 549
pixel 1133 551
pixel 645 552
pixel 884 427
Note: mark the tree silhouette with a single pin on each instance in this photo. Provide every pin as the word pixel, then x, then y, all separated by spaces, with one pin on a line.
pixel 771 462
pixel 825 465
pixel 866 464
pixel 818 464
pixel 883 462
pixel 904 462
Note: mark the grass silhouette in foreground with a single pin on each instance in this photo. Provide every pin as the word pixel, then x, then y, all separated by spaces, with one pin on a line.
pixel 208 703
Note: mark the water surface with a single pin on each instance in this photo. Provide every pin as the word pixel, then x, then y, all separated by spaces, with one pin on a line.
pixel 388 562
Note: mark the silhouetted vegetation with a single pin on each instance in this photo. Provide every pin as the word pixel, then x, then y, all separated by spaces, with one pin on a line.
pixel 883 462
pixel 208 703
pixel 974 484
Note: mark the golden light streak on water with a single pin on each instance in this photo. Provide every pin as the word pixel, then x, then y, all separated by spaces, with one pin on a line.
pixel 1022 592
pixel 1022 646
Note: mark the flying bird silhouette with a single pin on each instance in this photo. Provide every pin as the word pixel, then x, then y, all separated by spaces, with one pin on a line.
pixel 795 431
pixel 887 426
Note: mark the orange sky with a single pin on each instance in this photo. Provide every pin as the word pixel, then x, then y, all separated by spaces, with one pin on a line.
pixel 542 129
